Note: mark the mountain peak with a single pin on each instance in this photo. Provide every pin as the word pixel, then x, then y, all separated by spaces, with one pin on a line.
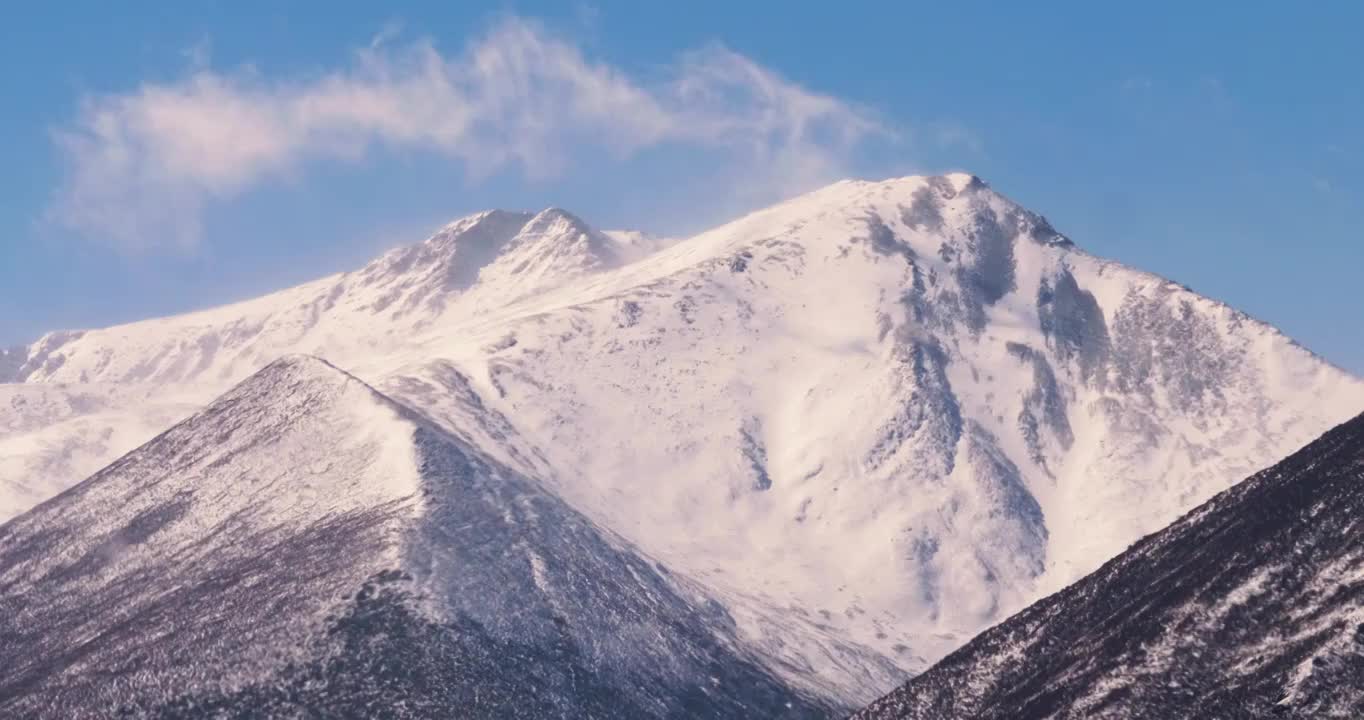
pixel 559 215
pixel 492 216
pixel 299 371
pixel 452 256
pixel 551 245
pixel 949 217
pixel 557 223
pixel 962 182
pixel 303 363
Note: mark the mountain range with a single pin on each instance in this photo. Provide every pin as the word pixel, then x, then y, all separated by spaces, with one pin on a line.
pixel 820 447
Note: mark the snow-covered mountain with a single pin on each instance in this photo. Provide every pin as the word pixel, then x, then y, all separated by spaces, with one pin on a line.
pixel 484 261
pixel 245 563
pixel 1251 606
pixel 872 420
pixel 53 434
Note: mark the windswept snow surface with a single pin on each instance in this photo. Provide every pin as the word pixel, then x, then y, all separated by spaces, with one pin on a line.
pixel 54 435
pixel 1251 606
pixel 872 420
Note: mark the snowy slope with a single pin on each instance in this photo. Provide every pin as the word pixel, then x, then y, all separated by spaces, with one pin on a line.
pixel 73 401
pixel 55 435
pixel 485 260
pixel 1251 606
pixel 904 408
pixel 305 546
pixel 873 420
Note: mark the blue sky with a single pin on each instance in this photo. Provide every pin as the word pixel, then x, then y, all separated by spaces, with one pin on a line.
pixel 160 157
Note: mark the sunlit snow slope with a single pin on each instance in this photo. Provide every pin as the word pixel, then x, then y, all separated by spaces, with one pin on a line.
pixel 873 420
pixel 1251 606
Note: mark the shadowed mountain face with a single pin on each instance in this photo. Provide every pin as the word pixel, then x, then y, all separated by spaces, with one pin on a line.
pixel 1251 606
pixel 305 547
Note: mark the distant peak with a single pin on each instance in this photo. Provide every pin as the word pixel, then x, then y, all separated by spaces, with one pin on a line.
pixel 485 216
pixel 553 218
pixel 949 184
pixel 499 223
pixel 961 182
pixel 557 212
pixel 454 254
pixel 955 183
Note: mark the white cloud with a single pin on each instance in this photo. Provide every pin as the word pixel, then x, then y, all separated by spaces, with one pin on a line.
pixel 143 166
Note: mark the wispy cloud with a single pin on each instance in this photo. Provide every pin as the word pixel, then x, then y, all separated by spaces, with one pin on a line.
pixel 143 166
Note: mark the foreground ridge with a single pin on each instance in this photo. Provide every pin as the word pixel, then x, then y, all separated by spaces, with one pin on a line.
pixel 305 546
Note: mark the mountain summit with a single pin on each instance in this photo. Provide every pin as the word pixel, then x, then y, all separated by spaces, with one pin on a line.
pixel 872 420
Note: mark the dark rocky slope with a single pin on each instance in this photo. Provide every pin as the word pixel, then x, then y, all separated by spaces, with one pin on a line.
pixel 305 547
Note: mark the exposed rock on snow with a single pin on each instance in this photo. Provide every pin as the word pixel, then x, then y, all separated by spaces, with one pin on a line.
pixel 1250 606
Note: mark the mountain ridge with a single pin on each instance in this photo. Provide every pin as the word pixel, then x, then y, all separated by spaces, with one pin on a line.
pixel 871 420
pixel 404 257
pixel 252 567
